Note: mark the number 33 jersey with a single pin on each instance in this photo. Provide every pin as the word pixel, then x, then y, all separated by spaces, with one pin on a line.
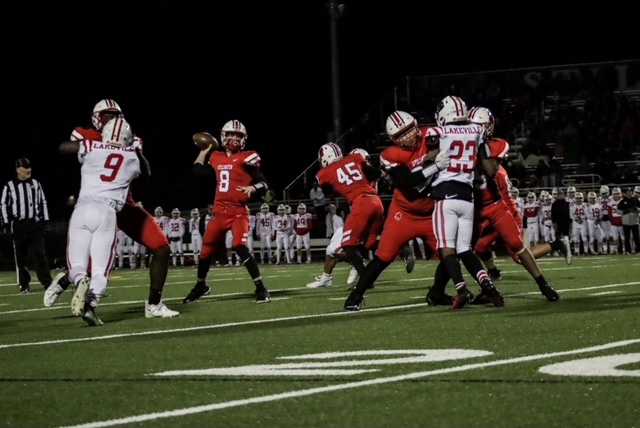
pixel 347 178
pixel 107 171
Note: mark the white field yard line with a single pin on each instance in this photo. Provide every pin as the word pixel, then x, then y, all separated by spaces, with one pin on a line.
pixel 342 387
pixel 242 323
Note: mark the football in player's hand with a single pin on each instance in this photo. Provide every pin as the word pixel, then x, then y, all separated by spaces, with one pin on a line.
pixel 204 140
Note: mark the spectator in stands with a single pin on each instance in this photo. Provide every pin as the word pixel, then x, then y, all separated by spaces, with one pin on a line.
pixel 319 200
pixel 543 172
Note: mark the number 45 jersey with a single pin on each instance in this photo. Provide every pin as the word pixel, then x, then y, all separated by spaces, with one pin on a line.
pixel 347 178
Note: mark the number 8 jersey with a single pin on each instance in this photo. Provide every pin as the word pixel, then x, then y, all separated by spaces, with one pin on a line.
pixel 231 172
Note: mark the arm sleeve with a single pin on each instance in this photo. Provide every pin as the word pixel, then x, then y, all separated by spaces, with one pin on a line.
pixel 402 176
pixel 371 172
pixel 257 177
pixel 44 207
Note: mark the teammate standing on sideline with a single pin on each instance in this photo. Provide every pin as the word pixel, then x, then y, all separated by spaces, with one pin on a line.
pixel 132 219
pixel 24 215
pixel 238 176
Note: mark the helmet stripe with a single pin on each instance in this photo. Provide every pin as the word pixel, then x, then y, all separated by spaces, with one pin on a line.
pixel 397 119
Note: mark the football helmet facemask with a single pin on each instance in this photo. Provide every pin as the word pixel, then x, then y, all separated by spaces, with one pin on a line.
pixel 604 191
pixel 451 110
pixel 402 129
pixel 282 210
pixel 175 213
pixel 158 212
pixel 302 208
pixel 104 111
pixel 195 213
pixel 233 136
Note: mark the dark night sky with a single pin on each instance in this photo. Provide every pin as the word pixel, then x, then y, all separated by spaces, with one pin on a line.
pixel 178 71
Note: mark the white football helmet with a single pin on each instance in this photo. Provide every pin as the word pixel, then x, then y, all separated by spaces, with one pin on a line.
pixel 547 198
pixel 361 152
pixel 104 106
pixel 482 116
pixel 329 153
pixel 233 136
pixel 616 193
pixel 282 210
pixel 571 192
pixel 531 197
pixel 264 208
pixel 591 197
pixel 158 212
pixel 302 208
pixel 604 191
pixel 636 191
pixel 117 132
pixel 554 193
pixel 515 193
pixel 451 110
pixel 579 198
pixel 402 129
pixel 195 213
pixel 175 213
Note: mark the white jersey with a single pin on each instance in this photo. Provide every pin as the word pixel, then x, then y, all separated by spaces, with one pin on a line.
pixel 264 222
pixel 175 228
pixel 338 222
pixel 282 224
pixel 163 222
pixel 520 204
pixel 252 224
pixel 194 226
pixel 107 172
pixel 461 143
pixel 594 212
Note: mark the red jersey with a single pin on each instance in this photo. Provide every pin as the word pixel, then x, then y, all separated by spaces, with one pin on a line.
pixel 347 178
pixel 504 185
pixel 409 198
pixel 230 173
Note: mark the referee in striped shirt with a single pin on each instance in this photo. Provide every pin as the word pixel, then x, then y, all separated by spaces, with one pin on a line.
pixel 24 215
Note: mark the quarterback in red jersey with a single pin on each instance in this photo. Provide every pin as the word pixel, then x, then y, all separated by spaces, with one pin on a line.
pixel 351 177
pixel 409 214
pixel 133 220
pixel 498 209
pixel 238 176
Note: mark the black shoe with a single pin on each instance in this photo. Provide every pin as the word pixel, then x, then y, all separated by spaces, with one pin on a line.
pixel 495 274
pixel 481 299
pixel 262 295
pixel 492 292
pixel 354 302
pixel 463 297
pixel 549 292
pixel 199 290
pixel 90 316
pixel 409 257
pixel 435 298
pixel 25 290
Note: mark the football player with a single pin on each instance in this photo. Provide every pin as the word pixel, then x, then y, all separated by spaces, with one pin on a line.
pixel 196 236
pixel 264 232
pixel 238 177
pixel 134 220
pixel 281 228
pixel 175 232
pixel 302 225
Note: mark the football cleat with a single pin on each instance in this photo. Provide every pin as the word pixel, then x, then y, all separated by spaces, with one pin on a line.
pixel 198 290
pixel 89 316
pixel 461 299
pixel 158 311
pixel 353 276
pixel 494 295
pixel 79 296
pixel 354 302
pixel 53 291
pixel 262 295
pixel 409 258
pixel 321 281
pixel 481 299
pixel 549 292
pixel 435 298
